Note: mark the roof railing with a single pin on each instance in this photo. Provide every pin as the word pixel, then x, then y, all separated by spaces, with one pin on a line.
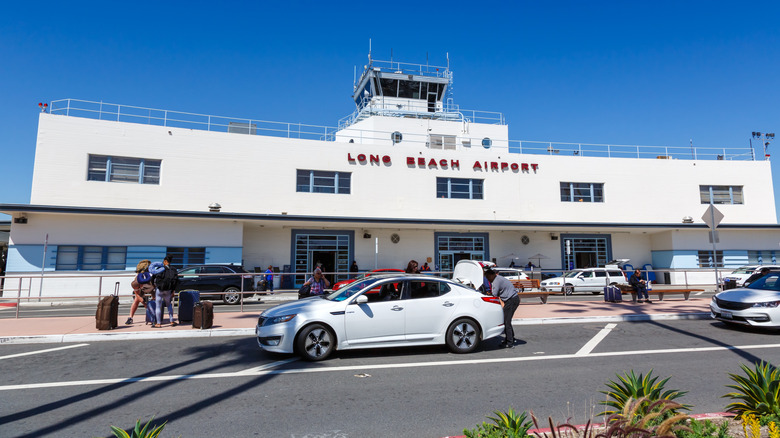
pixel 178 119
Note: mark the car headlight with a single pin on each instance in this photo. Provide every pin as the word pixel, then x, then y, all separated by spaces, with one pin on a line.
pixel 767 304
pixel 279 319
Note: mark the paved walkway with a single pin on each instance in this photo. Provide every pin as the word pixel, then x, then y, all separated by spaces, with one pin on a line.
pixel 82 328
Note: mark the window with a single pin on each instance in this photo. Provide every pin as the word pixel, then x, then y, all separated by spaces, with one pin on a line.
pixel 426 289
pixel 706 260
pixel 320 181
pixel 123 169
pixel 445 142
pixel 582 192
pixel 720 194
pixel 91 258
pixel 186 256
pixel 459 188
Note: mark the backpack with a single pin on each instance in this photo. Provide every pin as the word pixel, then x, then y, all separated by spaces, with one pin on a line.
pixel 144 277
pixel 167 279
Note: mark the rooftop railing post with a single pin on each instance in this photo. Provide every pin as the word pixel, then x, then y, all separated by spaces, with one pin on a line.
pixel 209 125
pixel 165 118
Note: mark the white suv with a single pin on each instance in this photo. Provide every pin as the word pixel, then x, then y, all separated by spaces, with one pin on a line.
pixel 590 280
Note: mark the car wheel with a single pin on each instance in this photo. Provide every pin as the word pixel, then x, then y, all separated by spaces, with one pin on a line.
pixel 568 289
pixel 463 336
pixel 232 295
pixel 315 342
pixel 596 293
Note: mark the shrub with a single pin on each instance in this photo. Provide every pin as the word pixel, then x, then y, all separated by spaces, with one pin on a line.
pixel 139 432
pixel 633 387
pixel 758 392
pixel 704 429
pixel 509 425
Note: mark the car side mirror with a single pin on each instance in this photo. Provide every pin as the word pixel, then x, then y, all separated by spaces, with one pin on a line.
pixel 362 299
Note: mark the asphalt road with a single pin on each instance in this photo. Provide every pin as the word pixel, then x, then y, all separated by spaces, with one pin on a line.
pixel 228 387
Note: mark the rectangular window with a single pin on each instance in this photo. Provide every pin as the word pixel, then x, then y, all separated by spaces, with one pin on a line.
pixel 707 261
pixel 459 188
pixel 186 256
pixel 320 181
pixel 91 258
pixel 123 169
pixel 582 192
pixel 445 142
pixel 720 194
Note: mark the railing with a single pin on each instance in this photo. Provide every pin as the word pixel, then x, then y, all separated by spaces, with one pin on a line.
pixel 19 289
pixel 159 117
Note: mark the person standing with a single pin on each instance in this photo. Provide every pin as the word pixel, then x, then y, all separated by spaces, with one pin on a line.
pixel 318 283
pixel 411 268
pixel 165 280
pixel 269 278
pixel 142 285
pixel 425 267
pixel 505 291
pixel 353 269
pixel 639 285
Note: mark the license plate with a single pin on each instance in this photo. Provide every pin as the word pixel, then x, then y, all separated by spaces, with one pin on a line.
pixel 726 314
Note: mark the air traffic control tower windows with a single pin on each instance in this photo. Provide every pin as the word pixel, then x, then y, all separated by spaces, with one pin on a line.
pixel 410 89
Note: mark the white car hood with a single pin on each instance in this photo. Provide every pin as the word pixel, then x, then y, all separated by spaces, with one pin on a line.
pixel 747 295
pixel 306 304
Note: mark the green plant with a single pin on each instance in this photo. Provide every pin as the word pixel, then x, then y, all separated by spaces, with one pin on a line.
pixel 704 429
pixel 641 387
pixel 139 432
pixel 509 424
pixel 758 392
pixel 645 418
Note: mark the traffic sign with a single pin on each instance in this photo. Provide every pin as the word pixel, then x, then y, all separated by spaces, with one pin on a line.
pixel 712 217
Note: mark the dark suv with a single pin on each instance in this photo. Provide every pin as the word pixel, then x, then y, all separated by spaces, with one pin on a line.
pixel 223 279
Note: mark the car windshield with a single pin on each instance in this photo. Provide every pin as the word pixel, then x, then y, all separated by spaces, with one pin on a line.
pixel 351 289
pixel 573 274
pixel 744 271
pixel 768 282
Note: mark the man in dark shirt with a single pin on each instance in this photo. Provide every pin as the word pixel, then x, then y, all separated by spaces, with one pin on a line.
pixel 505 291
pixel 755 277
pixel 639 286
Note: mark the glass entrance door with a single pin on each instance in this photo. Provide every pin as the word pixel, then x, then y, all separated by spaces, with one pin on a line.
pixel 585 251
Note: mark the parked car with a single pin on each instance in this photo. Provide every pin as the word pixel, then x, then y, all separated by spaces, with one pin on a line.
pixel 343 283
pixel 590 280
pixel 410 309
pixel 215 279
pixel 742 273
pixel 755 305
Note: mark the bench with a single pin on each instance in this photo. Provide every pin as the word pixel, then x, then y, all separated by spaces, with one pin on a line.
pixel 531 283
pixel 686 293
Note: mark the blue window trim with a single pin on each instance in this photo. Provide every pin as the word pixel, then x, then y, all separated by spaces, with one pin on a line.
pixel 80 258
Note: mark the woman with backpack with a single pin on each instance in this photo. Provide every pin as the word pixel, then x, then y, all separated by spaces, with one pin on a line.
pixel 142 286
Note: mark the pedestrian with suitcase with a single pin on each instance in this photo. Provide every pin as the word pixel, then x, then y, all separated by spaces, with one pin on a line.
pixel 142 286
pixel 108 311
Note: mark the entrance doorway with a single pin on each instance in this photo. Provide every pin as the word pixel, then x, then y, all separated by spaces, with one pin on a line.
pixel 453 247
pixel 585 250
pixel 333 249
pixel 327 262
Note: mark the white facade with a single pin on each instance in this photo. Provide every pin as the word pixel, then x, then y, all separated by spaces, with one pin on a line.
pixel 394 195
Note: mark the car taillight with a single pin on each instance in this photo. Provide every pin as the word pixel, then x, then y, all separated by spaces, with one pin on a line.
pixel 491 299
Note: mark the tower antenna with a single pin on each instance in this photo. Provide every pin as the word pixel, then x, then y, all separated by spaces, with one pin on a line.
pixel 369 51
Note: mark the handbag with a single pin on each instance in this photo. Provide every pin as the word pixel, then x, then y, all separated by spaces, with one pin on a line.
pixel 304 291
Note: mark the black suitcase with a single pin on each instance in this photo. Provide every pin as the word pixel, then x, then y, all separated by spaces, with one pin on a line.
pixel 187 300
pixel 612 294
pixel 107 314
pixel 203 315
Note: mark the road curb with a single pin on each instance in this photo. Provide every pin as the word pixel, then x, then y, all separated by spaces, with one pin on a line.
pixel 250 331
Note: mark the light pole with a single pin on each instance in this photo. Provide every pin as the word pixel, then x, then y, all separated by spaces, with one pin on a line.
pixel 766 138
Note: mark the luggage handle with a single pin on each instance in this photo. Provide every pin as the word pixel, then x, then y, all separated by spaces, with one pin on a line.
pixel 116 289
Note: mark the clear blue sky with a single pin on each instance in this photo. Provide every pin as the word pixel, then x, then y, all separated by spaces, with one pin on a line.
pixel 652 73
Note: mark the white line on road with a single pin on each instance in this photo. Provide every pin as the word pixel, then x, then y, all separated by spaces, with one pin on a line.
pixel 42 351
pixel 326 369
pixel 699 293
pixel 267 366
pixel 590 345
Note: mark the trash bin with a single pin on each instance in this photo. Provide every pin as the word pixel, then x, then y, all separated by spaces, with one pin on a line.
pixel 729 284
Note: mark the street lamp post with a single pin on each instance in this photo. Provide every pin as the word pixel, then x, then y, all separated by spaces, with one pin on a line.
pixel 766 138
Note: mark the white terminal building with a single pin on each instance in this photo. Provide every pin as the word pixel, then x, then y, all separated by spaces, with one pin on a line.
pixel 409 175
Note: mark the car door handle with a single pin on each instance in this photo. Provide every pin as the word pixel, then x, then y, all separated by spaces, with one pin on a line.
pixel 396 308
pixel 448 304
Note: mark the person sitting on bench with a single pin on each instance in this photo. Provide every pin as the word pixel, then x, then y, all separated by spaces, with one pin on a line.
pixel 639 285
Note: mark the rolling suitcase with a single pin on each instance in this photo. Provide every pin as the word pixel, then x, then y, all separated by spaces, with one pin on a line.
pixel 107 312
pixel 612 294
pixel 187 300
pixel 203 315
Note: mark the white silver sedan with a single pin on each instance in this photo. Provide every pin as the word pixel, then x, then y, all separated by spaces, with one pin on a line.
pixel 382 311
pixel 756 305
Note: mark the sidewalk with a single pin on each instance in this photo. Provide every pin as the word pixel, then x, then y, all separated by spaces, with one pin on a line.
pixel 531 312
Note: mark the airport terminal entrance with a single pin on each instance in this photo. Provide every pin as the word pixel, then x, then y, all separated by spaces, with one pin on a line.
pixel 585 250
pixel 331 250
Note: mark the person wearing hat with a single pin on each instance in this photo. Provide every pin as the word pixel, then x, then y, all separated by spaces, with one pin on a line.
pixel 317 282
pixel 506 292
